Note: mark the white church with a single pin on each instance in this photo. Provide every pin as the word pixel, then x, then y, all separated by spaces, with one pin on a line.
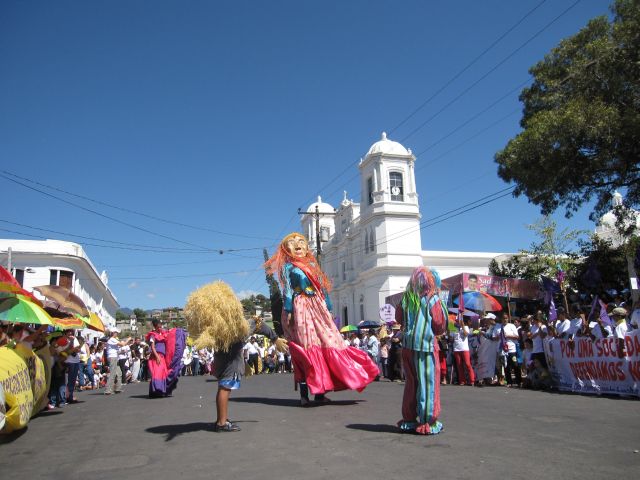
pixel 370 248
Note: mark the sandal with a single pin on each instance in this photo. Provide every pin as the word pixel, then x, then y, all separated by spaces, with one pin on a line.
pixel 227 427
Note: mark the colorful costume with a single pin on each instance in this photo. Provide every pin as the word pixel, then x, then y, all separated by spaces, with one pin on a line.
pixel 214 314
pixel 169 345
pixel 424 317
pixel 321 360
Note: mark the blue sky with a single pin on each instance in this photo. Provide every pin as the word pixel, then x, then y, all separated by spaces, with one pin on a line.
pixel 230 115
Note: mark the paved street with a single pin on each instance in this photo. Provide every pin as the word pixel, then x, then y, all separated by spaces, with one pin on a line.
pixel 489 433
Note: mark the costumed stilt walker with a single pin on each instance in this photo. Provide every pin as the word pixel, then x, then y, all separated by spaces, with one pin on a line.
pixel 215 316
pixel 165 362
pixel 424 317
pixel 322 362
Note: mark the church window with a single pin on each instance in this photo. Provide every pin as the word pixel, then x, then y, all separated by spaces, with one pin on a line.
pixel 372 241
pixel 361 311
pixel 396 186
pixel 370 190
pixel 344 271
pixel 366 242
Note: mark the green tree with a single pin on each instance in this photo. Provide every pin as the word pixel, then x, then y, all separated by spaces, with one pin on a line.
pixel 551 253
pixel 140 314
pixel 602 267
pixel 121 316
pixel 581 119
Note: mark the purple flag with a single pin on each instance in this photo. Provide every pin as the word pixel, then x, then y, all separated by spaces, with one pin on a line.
pixel 604 316
pixel 593 308
pixel 553 315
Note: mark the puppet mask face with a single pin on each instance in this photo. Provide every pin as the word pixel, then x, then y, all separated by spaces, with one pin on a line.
pixel 297 246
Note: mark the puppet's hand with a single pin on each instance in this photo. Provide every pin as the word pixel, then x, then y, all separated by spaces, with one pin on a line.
pixel 281 344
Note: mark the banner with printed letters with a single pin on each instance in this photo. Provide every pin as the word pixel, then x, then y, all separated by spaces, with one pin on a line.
pixel 594 366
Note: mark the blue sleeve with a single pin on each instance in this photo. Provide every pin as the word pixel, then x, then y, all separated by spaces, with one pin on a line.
pixel 287 291
pixel 327 300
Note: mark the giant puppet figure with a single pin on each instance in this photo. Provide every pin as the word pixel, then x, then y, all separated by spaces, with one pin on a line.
pixel 322 362
pixel 424 317
pixel 214 315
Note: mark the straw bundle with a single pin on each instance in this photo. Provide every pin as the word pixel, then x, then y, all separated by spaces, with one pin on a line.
pixel 214 315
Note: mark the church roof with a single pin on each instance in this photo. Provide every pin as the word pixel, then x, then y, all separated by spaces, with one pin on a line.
pixel 322 206
pixel 386 146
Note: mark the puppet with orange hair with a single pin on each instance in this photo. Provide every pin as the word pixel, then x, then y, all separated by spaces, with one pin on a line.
pixel 322 362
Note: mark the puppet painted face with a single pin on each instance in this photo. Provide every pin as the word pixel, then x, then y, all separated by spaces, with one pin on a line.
pixel 297 246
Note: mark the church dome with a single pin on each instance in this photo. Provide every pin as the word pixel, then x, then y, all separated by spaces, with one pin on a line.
pixel 322 206
pixel 386 146
pixel 607 229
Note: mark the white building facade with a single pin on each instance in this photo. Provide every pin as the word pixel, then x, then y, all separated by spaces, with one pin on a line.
pixel 374 245
pixel 55 262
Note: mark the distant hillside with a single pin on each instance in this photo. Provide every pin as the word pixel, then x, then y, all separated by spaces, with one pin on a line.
pixel 126 311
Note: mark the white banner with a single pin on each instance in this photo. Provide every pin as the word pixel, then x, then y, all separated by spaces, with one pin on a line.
pixel 589 366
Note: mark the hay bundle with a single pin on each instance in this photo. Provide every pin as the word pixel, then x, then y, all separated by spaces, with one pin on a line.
pixel 214 315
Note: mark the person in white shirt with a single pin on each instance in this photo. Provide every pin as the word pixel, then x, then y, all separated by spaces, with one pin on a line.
pixel 537 333
pixel 462 356
pixel 510 338
pixel 73 365
pixel 563 324
pixel 114 383
pixel 253 355
pixel 619 316
pixel 599 329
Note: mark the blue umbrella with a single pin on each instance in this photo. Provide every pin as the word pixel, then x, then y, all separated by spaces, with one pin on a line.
pixel 369 324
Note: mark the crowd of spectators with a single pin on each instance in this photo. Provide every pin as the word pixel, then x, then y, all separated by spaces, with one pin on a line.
pixel 83 363
pixel 518 343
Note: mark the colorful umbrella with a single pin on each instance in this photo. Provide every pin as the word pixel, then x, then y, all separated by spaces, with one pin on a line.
pixel 68 323
pixel 19 309
pixel 479 301
pixel 95 323
pixel 65 298
pixel 9 284
pixel 348 329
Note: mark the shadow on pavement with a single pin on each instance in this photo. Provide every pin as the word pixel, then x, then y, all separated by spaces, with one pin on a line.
pixel 172 431
pixel 279 402
pixel 292 402
pixel 375 427
pixel 10 437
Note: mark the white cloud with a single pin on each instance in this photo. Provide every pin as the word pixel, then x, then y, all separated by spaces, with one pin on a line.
pixel 246 294
pixel 151 295
pixel 133 285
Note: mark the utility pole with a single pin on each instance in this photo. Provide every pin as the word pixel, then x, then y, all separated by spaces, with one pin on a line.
pixel 316 214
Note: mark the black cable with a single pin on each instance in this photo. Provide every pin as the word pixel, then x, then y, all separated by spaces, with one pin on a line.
pixel 205 229
pixel 457 75
pixel 493 69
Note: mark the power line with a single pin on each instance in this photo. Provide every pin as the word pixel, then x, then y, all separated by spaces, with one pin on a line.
pixel 473 117
pixel 116 247
pixel 151 247
pixel 102 214
pixel 493 69
pixel 469 65
pixel 135 212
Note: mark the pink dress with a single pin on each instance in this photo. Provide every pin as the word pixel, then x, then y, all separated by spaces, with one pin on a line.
pixel 318 352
